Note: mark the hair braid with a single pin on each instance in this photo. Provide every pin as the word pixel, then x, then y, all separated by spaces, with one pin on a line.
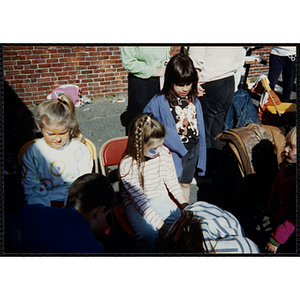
pixel 141 130
pixel 139 144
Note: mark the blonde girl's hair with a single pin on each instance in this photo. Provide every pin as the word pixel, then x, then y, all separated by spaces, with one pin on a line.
pixel 291 137
pixel 59 112
pixel 141 130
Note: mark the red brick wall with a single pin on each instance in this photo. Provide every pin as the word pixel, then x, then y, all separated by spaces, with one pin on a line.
pixel 259 69
pixel 34 71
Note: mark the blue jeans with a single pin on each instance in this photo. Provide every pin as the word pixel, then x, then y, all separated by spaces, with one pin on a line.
pixel 241 111
pixel 146 235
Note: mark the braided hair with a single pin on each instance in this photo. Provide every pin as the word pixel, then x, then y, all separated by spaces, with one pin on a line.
pixel 59 112
pixel 142 129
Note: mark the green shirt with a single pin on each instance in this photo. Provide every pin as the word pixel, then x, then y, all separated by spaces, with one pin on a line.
pixel 144 61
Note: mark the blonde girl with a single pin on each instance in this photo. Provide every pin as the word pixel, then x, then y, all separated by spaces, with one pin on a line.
pixel 282 201
pixel 148 175
pixel 52 163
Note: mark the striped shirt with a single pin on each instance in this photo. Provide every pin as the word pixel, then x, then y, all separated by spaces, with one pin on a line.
pixel 222 230
pixel 159 174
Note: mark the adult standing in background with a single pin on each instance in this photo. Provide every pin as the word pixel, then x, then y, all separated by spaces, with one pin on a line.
pixel 216 67
pixel 283 59
pixel 146 67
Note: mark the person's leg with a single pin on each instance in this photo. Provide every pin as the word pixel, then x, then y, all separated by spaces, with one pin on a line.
pixel 288 78
pixel 215 103
pixel 186 188
pixel 146 235
pixel 223 95
pixel 208 109
pixel 276 64
pixel 189 163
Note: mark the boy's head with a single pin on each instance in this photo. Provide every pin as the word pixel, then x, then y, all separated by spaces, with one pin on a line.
pixel 92 196
pixel 290 151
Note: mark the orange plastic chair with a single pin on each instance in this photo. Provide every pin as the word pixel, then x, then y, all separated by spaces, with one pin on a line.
pixel 110 155
pixel 93 151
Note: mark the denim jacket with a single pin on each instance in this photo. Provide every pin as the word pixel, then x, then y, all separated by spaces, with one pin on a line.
pixel 241 111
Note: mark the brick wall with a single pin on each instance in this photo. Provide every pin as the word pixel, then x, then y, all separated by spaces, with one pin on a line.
pixel 34 71
pixel 259 69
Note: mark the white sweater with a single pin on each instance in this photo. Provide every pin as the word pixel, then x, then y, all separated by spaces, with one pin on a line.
pixel 158 173
pixel 214 63
pixel 283 51
pixel 47 173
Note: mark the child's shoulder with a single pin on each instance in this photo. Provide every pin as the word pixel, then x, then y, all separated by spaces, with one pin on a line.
pixel 37 144
pixel 127 159
pixel 165 149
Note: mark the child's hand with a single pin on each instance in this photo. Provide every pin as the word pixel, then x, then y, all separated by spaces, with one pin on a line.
pixel 201 91
pixel 183 205
pixel 163 231
pixel 270 247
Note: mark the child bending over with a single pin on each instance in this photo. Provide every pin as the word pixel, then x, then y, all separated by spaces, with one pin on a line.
pixel 207 228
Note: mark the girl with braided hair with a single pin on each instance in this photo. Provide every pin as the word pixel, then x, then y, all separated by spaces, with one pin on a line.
pixel 52 163
pixel 148 176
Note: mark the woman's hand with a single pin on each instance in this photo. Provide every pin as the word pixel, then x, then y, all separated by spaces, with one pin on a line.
pixel 201 91
pixel 160 72
pixel 270 247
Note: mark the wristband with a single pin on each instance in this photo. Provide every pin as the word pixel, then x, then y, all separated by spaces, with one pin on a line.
pixel 274 243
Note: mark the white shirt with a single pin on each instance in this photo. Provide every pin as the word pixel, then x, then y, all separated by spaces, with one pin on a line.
pixel 214 63
pixel 158 173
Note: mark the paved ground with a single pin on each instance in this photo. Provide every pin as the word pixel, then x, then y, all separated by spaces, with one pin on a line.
pixel 99 121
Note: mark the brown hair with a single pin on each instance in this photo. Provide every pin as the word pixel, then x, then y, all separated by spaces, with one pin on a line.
pixel 180 70
pixel 141 130
pixel 59 112
pixel 186 236
pixel 90 191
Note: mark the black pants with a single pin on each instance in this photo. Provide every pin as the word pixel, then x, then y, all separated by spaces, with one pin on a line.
pixel 140 92
pixel 286 65
pixel 215 103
